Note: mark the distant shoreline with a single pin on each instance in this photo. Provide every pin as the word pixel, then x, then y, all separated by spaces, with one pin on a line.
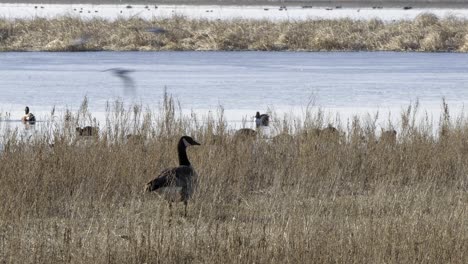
pixel 305 3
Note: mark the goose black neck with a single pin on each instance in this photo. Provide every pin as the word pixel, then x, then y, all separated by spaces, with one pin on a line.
pixel 183 159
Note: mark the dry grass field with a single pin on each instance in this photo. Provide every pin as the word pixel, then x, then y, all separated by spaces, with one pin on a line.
pixel 352 197
pixel 425 33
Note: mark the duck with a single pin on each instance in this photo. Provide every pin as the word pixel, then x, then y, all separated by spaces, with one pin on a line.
pixel 177 184
pixel 28 117
pixel 245 134
pixel 389 136
pixel 87 131
pixel 262 119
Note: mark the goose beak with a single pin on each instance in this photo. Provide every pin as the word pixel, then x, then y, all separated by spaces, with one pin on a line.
pixel 196 143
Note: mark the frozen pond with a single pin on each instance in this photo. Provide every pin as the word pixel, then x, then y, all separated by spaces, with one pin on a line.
pixel 12 11
pixel 242 82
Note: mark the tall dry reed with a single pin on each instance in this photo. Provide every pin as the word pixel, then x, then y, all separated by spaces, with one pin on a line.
pixel 351 197
pixel 427 32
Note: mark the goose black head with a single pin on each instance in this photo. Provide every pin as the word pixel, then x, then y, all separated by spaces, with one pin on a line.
pixel 257 115
pixel 26 110
pixel 188 141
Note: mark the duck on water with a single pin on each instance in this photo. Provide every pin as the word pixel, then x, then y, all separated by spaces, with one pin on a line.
pixel 262 120
pixel 177 184
pixel 28 117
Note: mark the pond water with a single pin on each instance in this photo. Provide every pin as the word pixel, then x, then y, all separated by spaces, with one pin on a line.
pixel 242 82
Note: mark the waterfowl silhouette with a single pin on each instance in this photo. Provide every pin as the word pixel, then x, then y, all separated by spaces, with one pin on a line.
pixel 389 136
pixel 245 134
pixel 87 131
pixel 28 117
pixel 177 184
pixel 262 119
pixel 123 74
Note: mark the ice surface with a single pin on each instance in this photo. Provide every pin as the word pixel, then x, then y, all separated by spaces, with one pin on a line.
pixel 242 82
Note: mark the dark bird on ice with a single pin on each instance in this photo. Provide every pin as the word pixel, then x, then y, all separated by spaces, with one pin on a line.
pixel 177 184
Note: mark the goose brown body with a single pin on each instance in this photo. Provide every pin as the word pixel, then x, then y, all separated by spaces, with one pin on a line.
pixel 177 184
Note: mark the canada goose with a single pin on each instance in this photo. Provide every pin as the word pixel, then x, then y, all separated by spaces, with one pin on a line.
pixel 178 183
pixel 329 134
pixel 329 130
pixel 119 71
pixel 245 133
pixel 28 117
pixel 87 131
pixel 388 136
pixel 262 119
pixel 326 132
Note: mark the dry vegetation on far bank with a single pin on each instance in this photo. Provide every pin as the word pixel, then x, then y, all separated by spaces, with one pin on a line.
pixel 307 198
pixel 425 33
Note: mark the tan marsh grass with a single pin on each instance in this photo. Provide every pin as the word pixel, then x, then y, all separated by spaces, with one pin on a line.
pixel 427 32
pixel 304 199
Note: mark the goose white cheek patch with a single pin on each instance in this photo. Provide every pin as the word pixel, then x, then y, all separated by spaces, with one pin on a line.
pixel 186 143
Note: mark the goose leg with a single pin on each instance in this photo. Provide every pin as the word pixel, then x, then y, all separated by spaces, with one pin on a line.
pixel 186 204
